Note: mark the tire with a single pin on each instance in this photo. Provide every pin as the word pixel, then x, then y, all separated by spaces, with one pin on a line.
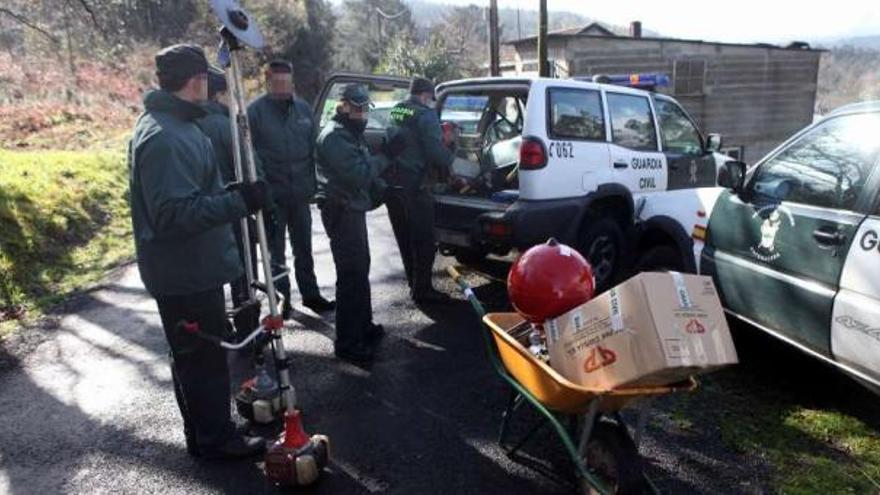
pixel 659 259
pixel 612 455
pixel 601 243
pixel 469 256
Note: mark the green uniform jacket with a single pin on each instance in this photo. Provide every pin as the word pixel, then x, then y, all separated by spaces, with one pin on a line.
pixel 180 212
pixel 216 126
pixel 424 148
pixel 347 173
pixel 284 139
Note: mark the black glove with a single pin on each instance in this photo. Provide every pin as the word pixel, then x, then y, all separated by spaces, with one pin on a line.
pixel 394 147
pixel 255 195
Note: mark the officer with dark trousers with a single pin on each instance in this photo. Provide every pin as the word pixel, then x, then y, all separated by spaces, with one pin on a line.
pixel 284 131
pixel 348 187
pixel 215 125
pixel 410 202
pixel 181 217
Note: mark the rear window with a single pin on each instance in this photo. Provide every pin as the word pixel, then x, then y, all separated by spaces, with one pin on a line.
pixel 383 95
pixel 632 125
pixel 576 114
pixel 465 111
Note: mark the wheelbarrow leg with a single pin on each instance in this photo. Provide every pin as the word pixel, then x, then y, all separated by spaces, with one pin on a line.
pixel 512 404
pixel 573 424
pixel 641 422
pixel 589 422
pixel 526 438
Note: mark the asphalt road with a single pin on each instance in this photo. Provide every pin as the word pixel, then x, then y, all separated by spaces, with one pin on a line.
pixel 86 404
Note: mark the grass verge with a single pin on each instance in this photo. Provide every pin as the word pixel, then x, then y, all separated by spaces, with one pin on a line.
pixel 816 429
pixel 63 223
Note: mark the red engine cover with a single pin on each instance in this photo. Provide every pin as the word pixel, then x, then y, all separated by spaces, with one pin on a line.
pixel 548 280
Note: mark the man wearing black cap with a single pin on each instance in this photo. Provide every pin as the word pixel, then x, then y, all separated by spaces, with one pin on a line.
pixel 284 131
pixel 348 187
pixel 411 203
pixel 216 126
pixel 185 247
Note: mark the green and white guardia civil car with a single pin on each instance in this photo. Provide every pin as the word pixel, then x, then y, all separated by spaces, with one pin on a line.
pixel 794 245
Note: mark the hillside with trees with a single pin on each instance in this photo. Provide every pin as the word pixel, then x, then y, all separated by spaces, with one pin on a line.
pixel 68 63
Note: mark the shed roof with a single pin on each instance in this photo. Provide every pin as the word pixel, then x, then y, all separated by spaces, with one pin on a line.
pixel 596 30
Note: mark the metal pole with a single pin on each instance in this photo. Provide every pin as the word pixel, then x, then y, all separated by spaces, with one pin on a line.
pixel 494 57
pixel 241 122
pixel 543 66
pixel 239 177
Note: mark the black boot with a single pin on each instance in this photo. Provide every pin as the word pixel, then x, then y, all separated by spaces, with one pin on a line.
pixel 319 305
pixel 359 354
pixel 237 447
pixel 286 309
pixel 375 333
pixel 430 296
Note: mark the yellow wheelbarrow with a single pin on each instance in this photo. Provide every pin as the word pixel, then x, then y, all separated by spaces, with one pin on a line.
pixel 605 456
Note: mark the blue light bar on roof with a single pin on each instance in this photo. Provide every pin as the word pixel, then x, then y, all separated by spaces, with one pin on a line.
pixel 640 81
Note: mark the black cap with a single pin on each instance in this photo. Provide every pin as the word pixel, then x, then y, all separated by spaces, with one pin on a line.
pixel 356 94
pixel 281 65
pixel 180 62
pixel 216 81
pixel 421 85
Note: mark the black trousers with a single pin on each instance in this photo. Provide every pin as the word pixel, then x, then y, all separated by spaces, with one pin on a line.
pixel 412 218
pixel 350 246
pixel 245 321
pixel 198 367
pixel 293 217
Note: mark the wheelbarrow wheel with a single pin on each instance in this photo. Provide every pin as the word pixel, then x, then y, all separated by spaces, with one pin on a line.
pixel 613 456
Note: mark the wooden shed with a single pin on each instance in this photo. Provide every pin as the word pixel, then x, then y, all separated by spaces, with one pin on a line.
pixel 755 95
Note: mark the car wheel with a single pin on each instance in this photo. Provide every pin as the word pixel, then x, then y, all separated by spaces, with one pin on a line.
pixel 601 242
pixel 659 259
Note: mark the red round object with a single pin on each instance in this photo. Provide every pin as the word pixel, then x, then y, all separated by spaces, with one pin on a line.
pixel 548 280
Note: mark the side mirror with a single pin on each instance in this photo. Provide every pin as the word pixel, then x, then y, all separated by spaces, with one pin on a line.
pixel 714 143
pixel 732 175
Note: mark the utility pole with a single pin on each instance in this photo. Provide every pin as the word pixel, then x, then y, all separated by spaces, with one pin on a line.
pixel 494 55
pixel 543 66
pixel 518 25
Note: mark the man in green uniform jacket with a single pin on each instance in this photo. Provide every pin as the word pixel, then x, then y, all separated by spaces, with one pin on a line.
pixel 215 124
pixel 284 130
pixel 348 187
pixel 181 219
pixel 411 203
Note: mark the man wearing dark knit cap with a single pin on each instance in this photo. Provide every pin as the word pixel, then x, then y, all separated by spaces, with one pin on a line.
pixel 181 218
pixel 284 131
pixel 215 125
pixel 411 203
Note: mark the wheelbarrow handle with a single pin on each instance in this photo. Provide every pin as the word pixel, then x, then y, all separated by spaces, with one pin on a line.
pixel 466 289
pixel 454 273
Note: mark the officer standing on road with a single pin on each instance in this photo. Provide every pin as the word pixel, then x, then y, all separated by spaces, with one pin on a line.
pixel 284 131
pixel 216 126
pixel 185 246
pixel 411 203
pixel 348 187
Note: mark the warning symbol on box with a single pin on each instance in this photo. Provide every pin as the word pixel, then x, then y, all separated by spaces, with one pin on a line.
pixel 694 326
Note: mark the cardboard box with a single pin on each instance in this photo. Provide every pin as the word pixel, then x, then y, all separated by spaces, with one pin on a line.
pixel 653 329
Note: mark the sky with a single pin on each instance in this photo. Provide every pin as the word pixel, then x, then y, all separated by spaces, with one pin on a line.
pixel 731 21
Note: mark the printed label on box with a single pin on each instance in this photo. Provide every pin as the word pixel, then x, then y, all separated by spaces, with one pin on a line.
pixel 684 299
pixel 675 349
pixel 616 313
